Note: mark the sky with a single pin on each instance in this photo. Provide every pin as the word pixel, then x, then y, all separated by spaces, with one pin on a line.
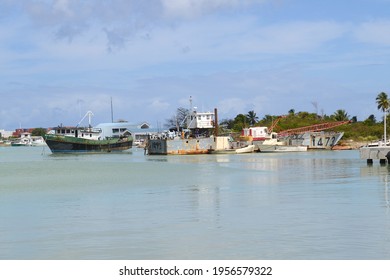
pixel 62 58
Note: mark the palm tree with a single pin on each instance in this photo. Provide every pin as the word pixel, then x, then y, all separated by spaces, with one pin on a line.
pixel 340 115
pixel 291 112
pixel 383 104
pixel 252 118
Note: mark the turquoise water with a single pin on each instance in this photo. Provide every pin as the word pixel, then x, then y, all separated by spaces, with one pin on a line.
pixel 307 205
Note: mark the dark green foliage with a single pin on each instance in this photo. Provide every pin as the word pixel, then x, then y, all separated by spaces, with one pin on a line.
pixel 38 132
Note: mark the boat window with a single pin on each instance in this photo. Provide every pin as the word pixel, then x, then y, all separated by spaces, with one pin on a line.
pixel 115 130
pixel 90 135
pixel 68 131
pixel 123 129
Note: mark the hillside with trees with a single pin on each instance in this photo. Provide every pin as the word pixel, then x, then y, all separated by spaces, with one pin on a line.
pixel 362 131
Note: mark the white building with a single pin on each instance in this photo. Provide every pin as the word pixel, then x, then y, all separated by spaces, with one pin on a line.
pixel 5 134
pixel 139 132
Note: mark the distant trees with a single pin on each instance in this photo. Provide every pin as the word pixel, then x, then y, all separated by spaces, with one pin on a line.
pixel 239 122
pixel 38 132
pixel 371 120
pixel 291 112
pixel 227 123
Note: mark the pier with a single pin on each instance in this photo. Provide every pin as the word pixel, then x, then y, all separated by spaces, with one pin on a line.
pixel 381 153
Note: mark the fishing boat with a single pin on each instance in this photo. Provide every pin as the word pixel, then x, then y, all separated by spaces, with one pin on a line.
pixel 87 139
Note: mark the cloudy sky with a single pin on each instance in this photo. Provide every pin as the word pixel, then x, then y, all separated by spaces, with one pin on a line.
pixel 61 58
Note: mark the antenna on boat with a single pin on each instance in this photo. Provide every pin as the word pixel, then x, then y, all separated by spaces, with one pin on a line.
pixel 89 114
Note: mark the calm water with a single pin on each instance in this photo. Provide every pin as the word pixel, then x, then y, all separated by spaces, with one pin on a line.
pixel 310 205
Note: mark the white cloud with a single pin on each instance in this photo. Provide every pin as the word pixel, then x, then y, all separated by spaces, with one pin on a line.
pixel 63 6
pixel 161 53
pixel 291 37
pixel 158 104
pixel 195 8
pixel 232 105
pixel 376 32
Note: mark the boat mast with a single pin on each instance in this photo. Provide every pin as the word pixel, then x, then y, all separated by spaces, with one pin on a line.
pixel 112 112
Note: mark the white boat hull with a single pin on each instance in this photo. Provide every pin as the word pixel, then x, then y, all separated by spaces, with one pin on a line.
pixel 281 148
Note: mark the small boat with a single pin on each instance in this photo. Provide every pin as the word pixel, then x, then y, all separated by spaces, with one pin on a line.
pixel 243 150
pixel 226 145
pixel 87 139
pixel 281 148
pixel 25 140
pixel 37 141
pixel 277 145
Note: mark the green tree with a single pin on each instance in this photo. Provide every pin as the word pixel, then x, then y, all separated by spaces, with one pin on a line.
pixel 38 132
pixel 252 118
pixel 240 121
pixel 227 123
pixel 383 103
pixel 340 115
pixel 371 120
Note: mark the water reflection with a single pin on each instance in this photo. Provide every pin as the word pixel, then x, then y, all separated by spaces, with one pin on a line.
pixel 280 206
pixel 378 171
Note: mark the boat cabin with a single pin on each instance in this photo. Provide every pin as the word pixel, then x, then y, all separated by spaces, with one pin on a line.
pixel 259 133
pixel 78 132
pixel 200 120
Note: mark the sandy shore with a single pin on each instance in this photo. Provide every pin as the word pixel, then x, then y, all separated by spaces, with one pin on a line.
pixel 349 145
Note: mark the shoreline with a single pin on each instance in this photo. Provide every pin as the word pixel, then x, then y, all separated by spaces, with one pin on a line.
pixel 349 145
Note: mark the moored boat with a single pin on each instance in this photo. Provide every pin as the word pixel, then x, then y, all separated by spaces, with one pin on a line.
pixel 226 145
pixel 87 140
pixel 267 141
pixel 196 139
pixel 27 140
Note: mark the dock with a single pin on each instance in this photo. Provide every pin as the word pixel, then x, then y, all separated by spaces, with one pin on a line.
pixel 381 153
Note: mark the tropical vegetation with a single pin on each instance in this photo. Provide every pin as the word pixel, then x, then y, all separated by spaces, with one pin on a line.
pixel 367 130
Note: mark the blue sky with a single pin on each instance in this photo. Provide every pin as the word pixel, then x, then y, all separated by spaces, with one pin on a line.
pixel 61 58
